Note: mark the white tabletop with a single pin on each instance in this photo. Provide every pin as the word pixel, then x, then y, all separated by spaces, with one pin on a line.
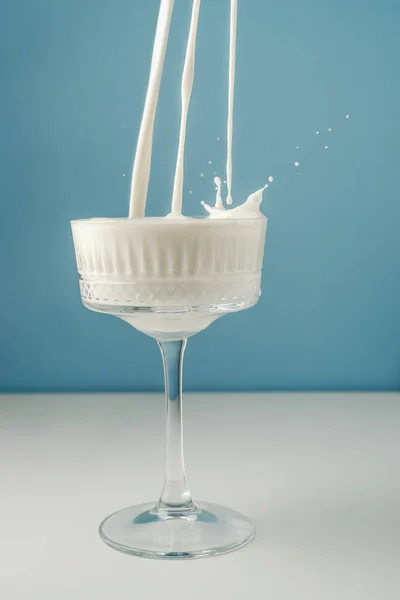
pixel 318 473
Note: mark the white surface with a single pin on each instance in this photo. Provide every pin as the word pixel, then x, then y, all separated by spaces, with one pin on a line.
pixel 319 474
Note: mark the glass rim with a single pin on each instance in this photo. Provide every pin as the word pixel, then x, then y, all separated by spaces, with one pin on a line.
pixel 136 220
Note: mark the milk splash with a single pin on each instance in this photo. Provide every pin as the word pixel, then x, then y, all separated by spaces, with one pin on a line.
pixel 248 210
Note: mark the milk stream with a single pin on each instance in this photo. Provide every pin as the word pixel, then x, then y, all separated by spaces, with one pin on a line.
pixel 231 97
pixel 187 87
pixel 218 201
pixel 142 164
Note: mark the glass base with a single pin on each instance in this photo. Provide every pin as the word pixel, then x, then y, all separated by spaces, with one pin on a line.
pixel 208 530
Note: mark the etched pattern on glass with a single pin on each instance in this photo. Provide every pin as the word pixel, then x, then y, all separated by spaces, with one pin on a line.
pixel 184 293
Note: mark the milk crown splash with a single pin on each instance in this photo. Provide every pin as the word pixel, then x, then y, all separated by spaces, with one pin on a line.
pixel 248 210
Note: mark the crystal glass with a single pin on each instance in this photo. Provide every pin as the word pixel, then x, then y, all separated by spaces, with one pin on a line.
pixel 170 279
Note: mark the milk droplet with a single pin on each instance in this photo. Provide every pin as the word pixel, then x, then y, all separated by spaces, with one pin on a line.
pixel 330 129
pixel 123 174
pixel 201 174
pixel 347 116
pixel 297 147
pixel 190 192
pixel 270 179
pixel 326 147
pixel 296 164
pixel 317 132
pixel 218 139
pixel 210 162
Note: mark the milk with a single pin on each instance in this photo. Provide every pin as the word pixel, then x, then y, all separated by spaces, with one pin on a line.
pixel 207 265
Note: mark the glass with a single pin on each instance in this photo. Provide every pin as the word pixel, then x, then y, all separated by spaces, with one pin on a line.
pixel 170 280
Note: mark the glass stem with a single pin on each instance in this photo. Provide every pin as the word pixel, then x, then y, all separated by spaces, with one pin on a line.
pixel 175 495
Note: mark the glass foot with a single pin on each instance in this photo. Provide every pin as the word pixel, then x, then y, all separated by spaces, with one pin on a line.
pixel 209 530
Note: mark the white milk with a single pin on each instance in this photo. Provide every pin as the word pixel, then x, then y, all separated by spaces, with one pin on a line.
pixel 187 87
pixel 165 263
pixel 231 96
pixel 142 165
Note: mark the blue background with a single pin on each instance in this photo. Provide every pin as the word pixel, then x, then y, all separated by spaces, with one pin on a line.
pixel 73 78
